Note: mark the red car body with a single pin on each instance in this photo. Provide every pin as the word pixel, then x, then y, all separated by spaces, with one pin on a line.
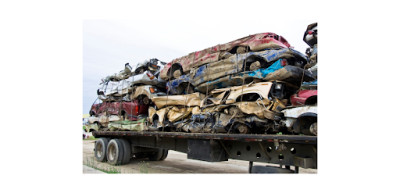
pixel 254 42
pixel 304 97
pixel 131 109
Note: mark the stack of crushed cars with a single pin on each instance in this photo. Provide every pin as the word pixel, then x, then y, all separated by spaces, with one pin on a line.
pixel 254 85
pixel 124 98
pixel 257 84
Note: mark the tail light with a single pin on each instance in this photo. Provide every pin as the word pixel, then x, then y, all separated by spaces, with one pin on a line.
pixel 137 109
pixel 284 62
pixel 152 90
pixel 150 75
pixel 310 32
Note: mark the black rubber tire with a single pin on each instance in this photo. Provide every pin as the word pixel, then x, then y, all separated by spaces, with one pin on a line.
pixel 127 153
pixel 156 156
pixel 100 149
pixel 164 155
pixel 115 152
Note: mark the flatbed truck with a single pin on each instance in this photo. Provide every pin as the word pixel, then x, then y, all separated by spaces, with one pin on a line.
pixel 289 151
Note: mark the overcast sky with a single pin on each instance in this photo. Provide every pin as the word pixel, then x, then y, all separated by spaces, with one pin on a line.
pixel 109 44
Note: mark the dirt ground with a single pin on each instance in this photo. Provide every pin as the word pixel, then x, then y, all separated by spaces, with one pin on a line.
pixel 176 162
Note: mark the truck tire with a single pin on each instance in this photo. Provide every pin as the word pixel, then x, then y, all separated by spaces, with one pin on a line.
pixel 127 153
pixel 115 152
pixel 100 149
pixel 159 155
pixel 164 155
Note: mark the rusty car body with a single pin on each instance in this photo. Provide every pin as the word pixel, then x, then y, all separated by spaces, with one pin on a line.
pixel 301 120
pixel 233 70
pixel 255 42
pixel 310 36
pixel 304 97
pixel 189 100
pixel 128 110
pixel 259 102
pixel 117 86
pixel 145 94
pixel 288 74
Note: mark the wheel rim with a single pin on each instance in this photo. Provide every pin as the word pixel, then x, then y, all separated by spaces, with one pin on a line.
pixel 112 153
pixel 255 66
pixel 177 74
pixel 99 151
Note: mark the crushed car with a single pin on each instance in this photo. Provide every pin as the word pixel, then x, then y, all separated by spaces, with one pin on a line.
pixel 145 94
pixel 246 106
pixel 256 42
pixel 304 97
pixel 311 38
pixel 301 120
pixel 127 110
pixel 119 85
pixel 243 68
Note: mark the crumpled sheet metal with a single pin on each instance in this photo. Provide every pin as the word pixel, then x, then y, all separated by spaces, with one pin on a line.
pixel 173 85
pixel 105 119
pixel 93 119
pixel 252 108
pixel 218 123
pixel 175 113
pixel 205 123
pixel 123 87
pixel 128 125
pixel 161 115
pixel 172 114
pixel 189 100
pixel 297 111
pixel 290 74
pixel 261 88
pixel 255 42
pixel 151 112
pixel 229 71
pixel 92 127
pixel 234 64
pixel 144 90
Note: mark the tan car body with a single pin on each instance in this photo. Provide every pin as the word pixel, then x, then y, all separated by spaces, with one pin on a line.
pixel 189 100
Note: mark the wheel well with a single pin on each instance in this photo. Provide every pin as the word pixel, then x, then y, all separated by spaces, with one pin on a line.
pixel 155 118
pixel 304 121
pixel 248 97
pixel 311 100
pixel 175 66
pixel 253 58
pixel 140 97
pixel 234 49
pixel 91 113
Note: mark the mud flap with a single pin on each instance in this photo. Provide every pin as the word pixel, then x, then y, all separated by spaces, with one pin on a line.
pixel 206 150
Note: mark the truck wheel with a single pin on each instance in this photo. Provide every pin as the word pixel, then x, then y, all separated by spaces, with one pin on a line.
pixel 313 129
pixel 127 153
pixel 158 155
pixel 164 155
pixel 100 149
pixel 115 152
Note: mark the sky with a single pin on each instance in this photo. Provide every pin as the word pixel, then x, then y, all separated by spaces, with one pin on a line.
pixel 109 44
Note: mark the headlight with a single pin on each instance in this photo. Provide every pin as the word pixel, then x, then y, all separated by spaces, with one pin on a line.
pixel 278 86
